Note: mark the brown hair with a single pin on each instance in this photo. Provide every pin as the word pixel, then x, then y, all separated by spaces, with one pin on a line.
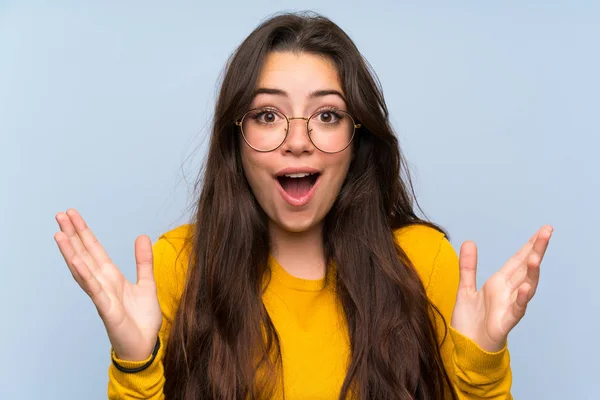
pixel 222 336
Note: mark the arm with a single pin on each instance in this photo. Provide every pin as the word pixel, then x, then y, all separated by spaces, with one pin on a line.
pixel 169 274
pixel 476 373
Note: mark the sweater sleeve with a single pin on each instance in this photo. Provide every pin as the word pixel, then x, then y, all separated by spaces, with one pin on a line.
pixel 148 384
pixel 476 373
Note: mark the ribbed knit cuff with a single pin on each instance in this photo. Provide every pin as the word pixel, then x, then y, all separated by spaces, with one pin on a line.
pixel 473 360
pixel 138 364
pixel 145 384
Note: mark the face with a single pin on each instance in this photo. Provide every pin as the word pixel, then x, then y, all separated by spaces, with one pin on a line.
pixel 296 85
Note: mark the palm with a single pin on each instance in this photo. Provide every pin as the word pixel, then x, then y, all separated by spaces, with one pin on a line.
pixel 130 313
pixel 489 314
pixel 126 302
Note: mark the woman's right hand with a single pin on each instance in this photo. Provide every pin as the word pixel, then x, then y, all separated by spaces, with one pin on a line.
pixel 131 313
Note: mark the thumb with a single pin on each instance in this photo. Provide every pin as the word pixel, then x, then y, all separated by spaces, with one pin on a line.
pixel 144 259
pixel 468 267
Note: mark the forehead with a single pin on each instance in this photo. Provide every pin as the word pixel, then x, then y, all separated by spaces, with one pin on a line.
pixel 299 72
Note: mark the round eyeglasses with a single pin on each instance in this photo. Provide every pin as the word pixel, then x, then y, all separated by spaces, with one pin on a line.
pixel 265 129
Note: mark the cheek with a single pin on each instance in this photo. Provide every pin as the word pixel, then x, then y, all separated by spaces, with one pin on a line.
pixel 255 168
pixel 340 165
pixel 250 171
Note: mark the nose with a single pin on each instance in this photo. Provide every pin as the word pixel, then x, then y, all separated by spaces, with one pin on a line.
pixel 297 140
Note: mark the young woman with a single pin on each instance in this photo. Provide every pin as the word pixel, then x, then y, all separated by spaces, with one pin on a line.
pixel 306 273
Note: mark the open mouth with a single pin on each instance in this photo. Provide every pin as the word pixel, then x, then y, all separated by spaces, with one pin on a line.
pixel 298 185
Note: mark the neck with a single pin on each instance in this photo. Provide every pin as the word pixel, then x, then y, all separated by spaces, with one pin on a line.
pixel 301 254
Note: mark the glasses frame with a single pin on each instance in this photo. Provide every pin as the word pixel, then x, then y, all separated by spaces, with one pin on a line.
pixel 355 126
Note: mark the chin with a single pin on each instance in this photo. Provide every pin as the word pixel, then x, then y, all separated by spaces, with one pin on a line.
pixel 297 225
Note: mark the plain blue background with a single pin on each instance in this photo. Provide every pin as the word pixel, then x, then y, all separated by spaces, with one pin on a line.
pixel 105 106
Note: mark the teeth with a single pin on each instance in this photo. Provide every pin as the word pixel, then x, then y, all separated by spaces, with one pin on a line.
pixel 298 175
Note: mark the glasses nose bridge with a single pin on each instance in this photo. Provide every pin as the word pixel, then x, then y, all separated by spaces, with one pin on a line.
pixel 305 119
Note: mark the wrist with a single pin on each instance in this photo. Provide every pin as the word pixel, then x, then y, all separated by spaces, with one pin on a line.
pixel 138 355
pixel 490 345
pixel 129 366
pixel 482 339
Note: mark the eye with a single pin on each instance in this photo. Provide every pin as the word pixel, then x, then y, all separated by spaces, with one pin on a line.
pixel 328 117
pixel 267 116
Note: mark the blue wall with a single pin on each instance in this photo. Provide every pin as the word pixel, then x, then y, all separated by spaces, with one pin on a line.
pixel 105 107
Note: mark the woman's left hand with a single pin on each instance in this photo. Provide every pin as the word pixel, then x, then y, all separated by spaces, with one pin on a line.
pixel 488 315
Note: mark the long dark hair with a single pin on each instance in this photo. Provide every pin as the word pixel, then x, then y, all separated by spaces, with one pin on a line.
pixel 223 345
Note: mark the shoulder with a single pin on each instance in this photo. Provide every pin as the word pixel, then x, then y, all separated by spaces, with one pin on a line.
pixel 171 254
pixel 421 243
pixel 428 249
pixel 179 234
pixel 174 242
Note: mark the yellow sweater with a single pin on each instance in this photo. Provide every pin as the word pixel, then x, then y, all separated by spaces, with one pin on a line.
pixel 314 349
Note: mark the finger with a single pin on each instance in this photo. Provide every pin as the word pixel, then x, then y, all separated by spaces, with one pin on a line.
pixel 529 268
pixel 91 285
pixel 66 226
pixel 541 243
pixel 517 260
pixel 524 295
pixel 67 251
pixel 90 241
pixel 523 251
pixel 468 267
pixel 144 260
pixel 536 256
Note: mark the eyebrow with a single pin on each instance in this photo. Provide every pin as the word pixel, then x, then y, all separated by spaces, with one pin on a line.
pixel 312 95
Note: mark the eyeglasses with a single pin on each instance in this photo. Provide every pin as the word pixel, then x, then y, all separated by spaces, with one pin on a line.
pixel 265 129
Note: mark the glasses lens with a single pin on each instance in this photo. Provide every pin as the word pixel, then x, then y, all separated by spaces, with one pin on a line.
pixel 264 129
pixel 331 130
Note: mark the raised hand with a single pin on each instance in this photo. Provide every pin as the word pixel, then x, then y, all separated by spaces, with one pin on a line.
pixel 488 315
pixel 131 313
